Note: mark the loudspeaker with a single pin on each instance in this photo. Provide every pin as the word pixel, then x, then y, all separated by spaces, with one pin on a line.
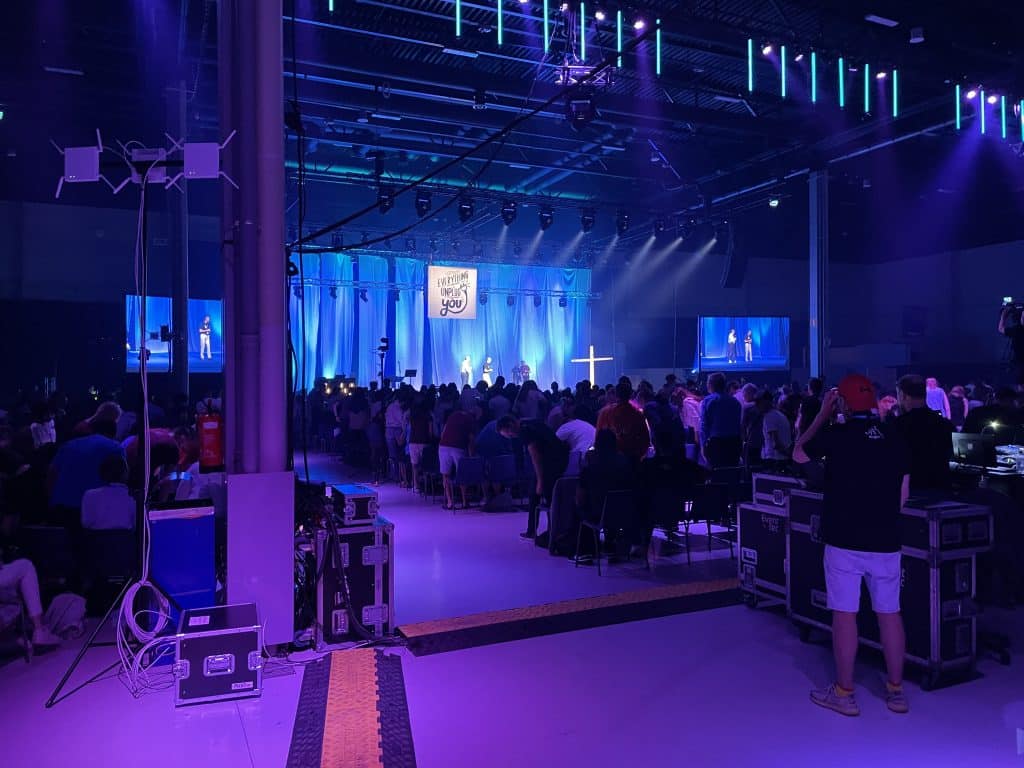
pixel 734 271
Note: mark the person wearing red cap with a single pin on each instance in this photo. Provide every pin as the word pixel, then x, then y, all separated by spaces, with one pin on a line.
pixel 867 482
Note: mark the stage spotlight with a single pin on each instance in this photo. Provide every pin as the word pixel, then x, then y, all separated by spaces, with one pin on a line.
pixel 564 7
pixel 992 99
pixel 479 99
pixel 466 209
pixel 621 222
pixel 423 202
pixel 536 300
pixel 580 110
pixel 410 244
pixel 510 300
pixel 508 212
pixel 333 291
pixel 483 297
pixel 639 25
pixel 587 219
pixel 773 202
pixel 546 216
pixel 972 94
pixel 659 227
pixel 563 302
pixel 881 75
pixel 766 49
pixel 600 15
pixel 798 57
pixel 432 244
pixel 362 295
pixel 385 201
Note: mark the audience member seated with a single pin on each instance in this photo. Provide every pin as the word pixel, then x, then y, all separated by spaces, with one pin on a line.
pixel 111 506
pixel 105 412
pixel 76 469
pixel 667 470
pixel 928 435
pixel 18 577
pixel 606 469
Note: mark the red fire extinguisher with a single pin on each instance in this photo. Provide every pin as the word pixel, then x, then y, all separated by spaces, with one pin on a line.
pixel 211 442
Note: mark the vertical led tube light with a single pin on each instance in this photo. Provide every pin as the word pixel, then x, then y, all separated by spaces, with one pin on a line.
pixel 782 60
pixel 750 65
pixel 814 77
pixel 501 23
pixel 458 18
pixel 1002 114
pixel 981 108
pixel 330 6
pixel 958 107
pixel 546 22
pixel 583 32
pixel 618 36
pixel 867 88
pixel 657 48
pixel 842 83
pixel 895 93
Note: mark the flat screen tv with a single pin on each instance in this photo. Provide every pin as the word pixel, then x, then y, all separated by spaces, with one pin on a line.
pixel 743 343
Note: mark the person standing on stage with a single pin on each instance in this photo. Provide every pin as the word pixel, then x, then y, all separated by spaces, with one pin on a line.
pixel 205 331
pixel 867 483
pixel 488 370
pixel 748 347
pixel 731 346
pixel 466 371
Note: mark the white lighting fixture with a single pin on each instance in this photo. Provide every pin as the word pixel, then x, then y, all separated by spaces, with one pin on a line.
pixel 881 75
pixel 600 15
pixel 972 94
pixel 875 19
pixel 565 7
pixel 916 35
pixel 766 49
pixel 992 99
pixel 639 24
pixel 798 57
pixel 460 52
pixel 773 202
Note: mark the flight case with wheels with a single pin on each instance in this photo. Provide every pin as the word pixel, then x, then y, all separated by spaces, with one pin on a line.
pixel 762 532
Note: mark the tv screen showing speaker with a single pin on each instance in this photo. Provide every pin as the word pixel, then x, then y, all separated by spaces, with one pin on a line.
pixel 743 343
pixel 204 334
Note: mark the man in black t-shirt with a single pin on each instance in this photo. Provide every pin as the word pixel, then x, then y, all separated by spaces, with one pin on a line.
pixel 929 437
pixel 867 482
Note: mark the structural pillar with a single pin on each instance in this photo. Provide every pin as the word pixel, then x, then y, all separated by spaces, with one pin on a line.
pixel 818 277
pixel 251 87
pixel 177 209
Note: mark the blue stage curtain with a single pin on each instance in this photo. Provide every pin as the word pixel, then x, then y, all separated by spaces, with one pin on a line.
pixel 771 338
pixel 372 316
pixel 409 320
pixel 328 344
pixel 546 337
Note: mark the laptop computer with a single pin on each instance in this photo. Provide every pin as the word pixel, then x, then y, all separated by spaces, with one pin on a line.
pixel 974 450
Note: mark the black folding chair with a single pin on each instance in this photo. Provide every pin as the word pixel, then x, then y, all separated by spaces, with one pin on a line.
pixel 469 472
pixel 618 514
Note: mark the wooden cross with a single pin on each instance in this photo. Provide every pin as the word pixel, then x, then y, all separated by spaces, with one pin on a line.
pixel 591 359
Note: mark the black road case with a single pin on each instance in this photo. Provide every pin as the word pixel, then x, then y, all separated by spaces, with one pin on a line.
pixel 369 570
pixel 354 504
pixel 218 654
pixel 774 489
pixel 937 589
pixel 762 534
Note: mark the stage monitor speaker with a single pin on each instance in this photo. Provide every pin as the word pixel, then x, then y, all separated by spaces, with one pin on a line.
pixel 734 271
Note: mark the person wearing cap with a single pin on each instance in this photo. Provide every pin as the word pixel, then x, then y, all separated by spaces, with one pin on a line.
pixel 867 482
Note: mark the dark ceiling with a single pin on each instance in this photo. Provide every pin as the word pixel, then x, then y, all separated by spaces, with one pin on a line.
pixel 386 93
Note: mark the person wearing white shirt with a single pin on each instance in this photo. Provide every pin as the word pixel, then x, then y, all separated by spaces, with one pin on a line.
pixel 466 371
pixel 578 435
pixel 111 506
pixel 777 432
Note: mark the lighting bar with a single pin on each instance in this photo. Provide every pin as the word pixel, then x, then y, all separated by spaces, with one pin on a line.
pixel 814 77
pixel 842 83
pixel 782 59
pixel 867 88
pixel 875 19
pixel 657 48
pixel 981 107
pixel 1002 112
pixel 895 93
pixel 501 23
pixel 583 32
pixel 546 23
pixel 385 116
pixel 958 106
pixel 460 52
pixel 618 36
pixel 458 18
pixel 750 65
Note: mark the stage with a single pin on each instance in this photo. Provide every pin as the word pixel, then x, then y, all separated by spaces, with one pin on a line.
pixel 712 364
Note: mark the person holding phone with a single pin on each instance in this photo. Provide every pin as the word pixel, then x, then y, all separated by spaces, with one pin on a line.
pixel 866 485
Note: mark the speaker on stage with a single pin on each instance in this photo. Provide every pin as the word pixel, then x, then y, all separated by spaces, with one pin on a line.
pixel 735 270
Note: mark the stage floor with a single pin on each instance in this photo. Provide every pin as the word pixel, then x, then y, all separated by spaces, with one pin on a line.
pixel 726 686
pixel 159 362
pixel 712 364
